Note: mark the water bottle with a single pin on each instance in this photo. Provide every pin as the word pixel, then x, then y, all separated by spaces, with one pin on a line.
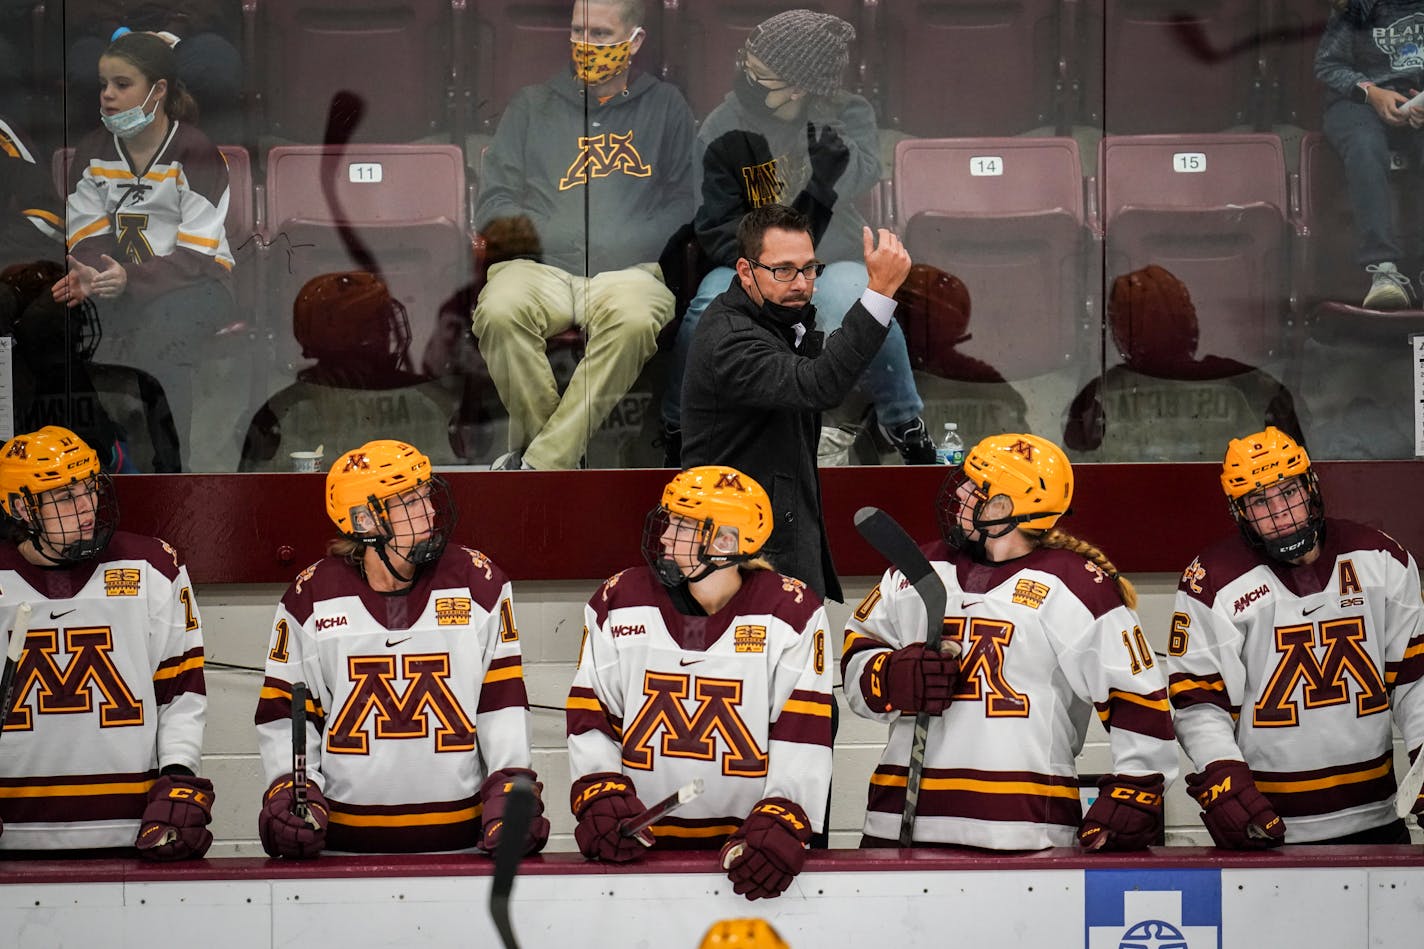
pixel 950 450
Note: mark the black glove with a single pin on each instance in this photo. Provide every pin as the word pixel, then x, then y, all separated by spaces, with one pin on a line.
pixel 829 155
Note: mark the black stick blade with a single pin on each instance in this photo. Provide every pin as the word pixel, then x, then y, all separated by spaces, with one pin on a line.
pixel 518 815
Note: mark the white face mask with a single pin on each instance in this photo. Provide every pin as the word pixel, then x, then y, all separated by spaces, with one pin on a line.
pixel 130 122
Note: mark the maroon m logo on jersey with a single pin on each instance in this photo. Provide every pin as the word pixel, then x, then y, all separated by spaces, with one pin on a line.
pixel 981 666
pixel 692 736
pixel 70 690
pixel 1324 681
pixel 400 715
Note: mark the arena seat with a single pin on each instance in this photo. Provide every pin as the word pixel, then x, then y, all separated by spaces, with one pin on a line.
pixel 703 37
pixel 1292 33
pixel 1006 61
pixel 397 57
pixel 394 210
pixel 1173 65
pixel 1006 216
pixel 516 43
pixel 1212 209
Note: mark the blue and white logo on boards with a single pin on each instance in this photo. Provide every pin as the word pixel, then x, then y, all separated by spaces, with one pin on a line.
pixel 1152 909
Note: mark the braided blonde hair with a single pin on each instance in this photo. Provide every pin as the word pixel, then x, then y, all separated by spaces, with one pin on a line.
pixel 1062 540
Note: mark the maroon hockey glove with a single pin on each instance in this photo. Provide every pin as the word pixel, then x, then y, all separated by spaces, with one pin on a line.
pixel 601 803
pixel 175 823
pixel 494 792
pixel 911 679
pixel 1238 816
pixel 1127 814
pixel 283 833
pixel 768 850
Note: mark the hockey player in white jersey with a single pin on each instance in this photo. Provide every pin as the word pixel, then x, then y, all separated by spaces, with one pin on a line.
pixel 419 720
pixel 704 664
pixel 103 733
pixel 1291 646
pixel 1047 634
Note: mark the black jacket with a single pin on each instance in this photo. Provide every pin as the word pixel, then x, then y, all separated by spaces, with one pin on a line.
pixel 753 401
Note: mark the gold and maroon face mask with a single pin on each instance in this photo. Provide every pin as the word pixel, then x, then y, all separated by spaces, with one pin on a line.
pixel 595 64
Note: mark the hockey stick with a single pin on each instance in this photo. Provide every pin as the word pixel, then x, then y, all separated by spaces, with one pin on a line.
pixel 518 815
pixel 1410 786
pixel 18 632
pixel 891 542
pixel 1194 38
pixel 299 754
pixel 634 826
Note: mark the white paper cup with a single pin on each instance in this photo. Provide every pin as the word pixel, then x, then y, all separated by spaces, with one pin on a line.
pixel 306 460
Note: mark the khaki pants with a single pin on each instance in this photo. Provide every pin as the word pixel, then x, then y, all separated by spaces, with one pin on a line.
pixel 522 305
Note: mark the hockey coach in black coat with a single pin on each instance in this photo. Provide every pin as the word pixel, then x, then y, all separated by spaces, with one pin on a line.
pixel 759 375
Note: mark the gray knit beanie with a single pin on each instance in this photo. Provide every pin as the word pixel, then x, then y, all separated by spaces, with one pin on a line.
pixel 804 48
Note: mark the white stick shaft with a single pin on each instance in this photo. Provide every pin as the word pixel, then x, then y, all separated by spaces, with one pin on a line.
pixel 1410 786
pixel 18 632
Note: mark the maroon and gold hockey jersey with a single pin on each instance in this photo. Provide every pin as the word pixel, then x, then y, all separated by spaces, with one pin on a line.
pixel 741 699
pixel 108 691
pixel 412 699
pixel 164 223
pixel 1046 640
pixel 1296 671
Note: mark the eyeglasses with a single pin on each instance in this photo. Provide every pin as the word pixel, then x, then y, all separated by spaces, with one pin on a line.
pixel 787 273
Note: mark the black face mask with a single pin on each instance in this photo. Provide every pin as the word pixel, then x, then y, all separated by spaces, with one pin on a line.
pixel 783 315
pixel 752 95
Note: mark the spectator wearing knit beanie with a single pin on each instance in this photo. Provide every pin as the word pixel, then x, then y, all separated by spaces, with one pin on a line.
pixel 804 49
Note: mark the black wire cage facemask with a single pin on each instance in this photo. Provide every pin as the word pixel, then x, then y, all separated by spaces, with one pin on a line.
pixel 690 537
pixel 955 504
pixel 427 509
pixel 74 522
pixel 1304 510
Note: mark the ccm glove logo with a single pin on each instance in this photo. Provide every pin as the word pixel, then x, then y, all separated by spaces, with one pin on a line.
pixel 598 789
pixel 1145 798
pixel 785 814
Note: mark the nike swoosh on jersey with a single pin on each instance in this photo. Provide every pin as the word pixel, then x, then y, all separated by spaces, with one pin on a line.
pixel 54 615
pixel 968 603
pixel 393 643
pixel 688 662
pixel 1312 609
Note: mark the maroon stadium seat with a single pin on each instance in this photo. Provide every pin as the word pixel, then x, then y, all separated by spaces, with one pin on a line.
pixel 1293 29
pixel 1006 216
pixel 703 37
pixel 1173 65
pixel 516 43
pixel 1002 61
pixel 395 210
pixel 1212 209
pixel 395 56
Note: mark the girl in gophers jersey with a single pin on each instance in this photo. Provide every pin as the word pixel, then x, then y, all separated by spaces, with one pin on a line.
pixel 1043 634
pixel 148 194
pixel 704 665
pixel 418 722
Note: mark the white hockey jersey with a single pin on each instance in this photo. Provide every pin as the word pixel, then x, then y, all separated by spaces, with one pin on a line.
pixel 1046 639
pixel 108 691
pixel 1295 670
pixel 164 223
pixel 741 699
pixel 412 699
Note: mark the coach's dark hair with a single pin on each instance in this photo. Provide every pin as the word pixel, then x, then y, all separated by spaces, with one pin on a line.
pixel 631 12
pixel 757 222
pixel 153 57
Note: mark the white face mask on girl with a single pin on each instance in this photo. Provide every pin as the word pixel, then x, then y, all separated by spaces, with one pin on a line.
pixel 130 122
